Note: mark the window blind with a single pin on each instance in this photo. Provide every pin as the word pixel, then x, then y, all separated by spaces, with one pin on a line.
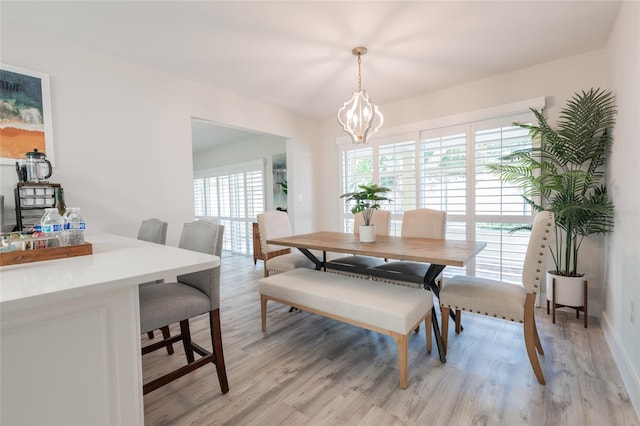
pixel 233 196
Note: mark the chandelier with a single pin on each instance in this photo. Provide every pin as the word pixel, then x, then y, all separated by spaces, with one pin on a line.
pixel 359 117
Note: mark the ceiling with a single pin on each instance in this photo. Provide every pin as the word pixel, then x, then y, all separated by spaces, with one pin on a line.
pixel 297 54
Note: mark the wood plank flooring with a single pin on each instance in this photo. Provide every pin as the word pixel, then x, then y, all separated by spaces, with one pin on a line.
pixel 309 370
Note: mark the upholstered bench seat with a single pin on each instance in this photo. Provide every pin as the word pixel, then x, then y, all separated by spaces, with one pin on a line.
pixel 385 308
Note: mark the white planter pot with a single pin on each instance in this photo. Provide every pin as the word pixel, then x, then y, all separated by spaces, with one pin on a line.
pixel 367 233
pixel 569 290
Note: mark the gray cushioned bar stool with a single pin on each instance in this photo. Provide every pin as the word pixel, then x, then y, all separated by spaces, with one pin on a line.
pixel 192 295
pixel 155 231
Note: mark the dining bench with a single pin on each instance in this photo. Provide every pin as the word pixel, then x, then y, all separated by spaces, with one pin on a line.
pixel 389 309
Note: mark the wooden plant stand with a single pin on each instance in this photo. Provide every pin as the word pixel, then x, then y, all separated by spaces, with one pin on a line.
pixel 555 305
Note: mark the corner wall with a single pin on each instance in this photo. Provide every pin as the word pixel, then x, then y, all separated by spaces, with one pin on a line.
pixel 622 277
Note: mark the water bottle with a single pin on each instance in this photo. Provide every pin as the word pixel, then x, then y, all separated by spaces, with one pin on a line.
pixel 74 226
pixel 52 225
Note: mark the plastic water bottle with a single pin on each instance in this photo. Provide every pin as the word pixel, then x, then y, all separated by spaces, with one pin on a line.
pixel 74 226
pixel 52 225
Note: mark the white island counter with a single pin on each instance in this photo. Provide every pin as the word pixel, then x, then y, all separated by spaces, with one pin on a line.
pixel 70 332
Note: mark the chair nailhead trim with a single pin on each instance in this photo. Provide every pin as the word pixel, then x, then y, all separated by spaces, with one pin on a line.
pixel 480 313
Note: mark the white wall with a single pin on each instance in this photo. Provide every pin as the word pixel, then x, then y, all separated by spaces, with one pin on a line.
pixel 123 134
pixel 622 279
pixel 239 152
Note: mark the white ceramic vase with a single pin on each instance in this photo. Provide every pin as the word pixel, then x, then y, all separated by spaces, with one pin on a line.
pixel 569 290
pixel 367 233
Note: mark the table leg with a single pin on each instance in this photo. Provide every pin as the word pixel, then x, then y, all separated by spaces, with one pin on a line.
pixel 319 263
pixel 436 332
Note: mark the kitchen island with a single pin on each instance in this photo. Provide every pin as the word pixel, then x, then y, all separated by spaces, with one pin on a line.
pixel 70 332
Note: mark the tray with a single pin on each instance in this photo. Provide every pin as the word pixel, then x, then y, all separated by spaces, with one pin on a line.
pixel 26 256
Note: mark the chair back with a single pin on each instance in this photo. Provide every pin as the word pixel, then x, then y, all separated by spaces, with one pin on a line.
pixel 424 223
pixel 273 224
pixel 533 266
pixel 380 218
pixel 153 230
pixel 204 237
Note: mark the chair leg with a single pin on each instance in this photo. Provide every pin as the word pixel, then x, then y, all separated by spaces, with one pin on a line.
pixel 186 340
pixel 538 343
pixel 263 312
pixel 458 320
pixel 150 334
pixel 530 337
pixel 427 330
pixel 165 335
pixel 216 341
pixel 444 328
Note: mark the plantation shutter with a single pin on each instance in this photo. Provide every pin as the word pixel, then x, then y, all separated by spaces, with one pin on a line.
pixel 233 196
pixel 357 169
pixel 444 179
pixel 397 171
pixel 499 206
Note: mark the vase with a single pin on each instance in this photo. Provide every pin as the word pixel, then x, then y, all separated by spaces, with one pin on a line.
pixel 569 290
pixel 367 233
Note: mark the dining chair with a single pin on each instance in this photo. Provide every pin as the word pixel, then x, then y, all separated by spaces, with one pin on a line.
pixel 381 219
pixel 417 223
pixel 277 259
pixel 511 302
pixel 191 295
pixel 155 231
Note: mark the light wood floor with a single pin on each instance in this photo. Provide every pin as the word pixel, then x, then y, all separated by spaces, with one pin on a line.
pixel 308 370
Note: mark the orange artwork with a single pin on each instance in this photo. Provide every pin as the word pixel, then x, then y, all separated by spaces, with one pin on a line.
pixel 24 113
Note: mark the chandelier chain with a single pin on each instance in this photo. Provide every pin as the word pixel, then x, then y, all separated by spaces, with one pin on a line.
pixel 359 73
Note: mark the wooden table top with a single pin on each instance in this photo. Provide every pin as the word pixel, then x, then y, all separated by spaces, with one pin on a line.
pixel 429 250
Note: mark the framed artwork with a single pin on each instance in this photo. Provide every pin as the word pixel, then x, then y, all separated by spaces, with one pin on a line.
pixel 279 170
pixel 25 114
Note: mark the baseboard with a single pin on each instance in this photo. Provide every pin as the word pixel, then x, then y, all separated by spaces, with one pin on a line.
pixel 630 376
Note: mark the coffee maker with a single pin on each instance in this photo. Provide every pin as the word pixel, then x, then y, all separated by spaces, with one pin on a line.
pixel 36 168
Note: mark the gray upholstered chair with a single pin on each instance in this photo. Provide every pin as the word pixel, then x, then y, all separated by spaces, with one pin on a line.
pixel 192 295
pixel 155 231
pixel 277 259
pixel 506 301
pixel 418 223
pixel 381 219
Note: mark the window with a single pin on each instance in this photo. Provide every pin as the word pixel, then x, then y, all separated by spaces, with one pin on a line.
pixel 233 196
pixel 446 169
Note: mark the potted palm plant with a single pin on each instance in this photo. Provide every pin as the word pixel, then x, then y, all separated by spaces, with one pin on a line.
pixel 366 201
pixel 564 173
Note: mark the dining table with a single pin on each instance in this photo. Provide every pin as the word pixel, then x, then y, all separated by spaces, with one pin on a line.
pixel 438 253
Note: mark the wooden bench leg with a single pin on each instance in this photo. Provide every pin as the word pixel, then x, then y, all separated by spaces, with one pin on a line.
pixel 402 340
pixel 263 312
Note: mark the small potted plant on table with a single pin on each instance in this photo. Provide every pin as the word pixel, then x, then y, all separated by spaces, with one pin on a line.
pixel 366 201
